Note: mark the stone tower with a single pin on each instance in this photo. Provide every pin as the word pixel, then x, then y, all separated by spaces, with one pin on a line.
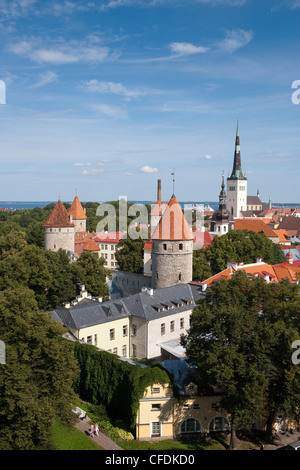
pixel 237 183
pixel 78 215
pixel 220 221
pixel 172 248
pixel 59 230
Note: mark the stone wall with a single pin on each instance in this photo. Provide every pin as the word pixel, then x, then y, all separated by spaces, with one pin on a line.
pixel 130 283
pixel 56 238
pixel 172 263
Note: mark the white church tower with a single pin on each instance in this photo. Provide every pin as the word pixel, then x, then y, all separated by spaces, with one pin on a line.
pixel 237 183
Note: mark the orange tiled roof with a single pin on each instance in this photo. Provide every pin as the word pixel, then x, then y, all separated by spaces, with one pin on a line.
pixel 148 245
pixel 282 234
pixel 91 245
pixel 76 210
pixel 158 208
pixel 59 217
pixel 255 225
pixel 276 272
pixel 173 224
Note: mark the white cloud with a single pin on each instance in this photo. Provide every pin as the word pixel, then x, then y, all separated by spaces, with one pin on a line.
pixel 148 169
pixel 208 157
pixel 234 40
pixel 112 87
pixel 61 52
pixel 185 48
pixel 110 111
pixel 82 164
pixel 92 172
pixel 45 79
pixel 294 4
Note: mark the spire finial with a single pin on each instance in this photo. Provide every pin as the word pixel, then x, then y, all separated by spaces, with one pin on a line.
pixel 173 174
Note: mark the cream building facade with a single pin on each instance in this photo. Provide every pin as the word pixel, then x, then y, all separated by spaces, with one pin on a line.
pixel 162 416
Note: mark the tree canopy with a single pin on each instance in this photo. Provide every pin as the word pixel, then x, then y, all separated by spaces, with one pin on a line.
pixel 242 246
pixel 36 381
pixel 241 337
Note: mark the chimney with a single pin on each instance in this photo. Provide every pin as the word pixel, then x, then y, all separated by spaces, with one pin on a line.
pixel 259 260
pixel 159 190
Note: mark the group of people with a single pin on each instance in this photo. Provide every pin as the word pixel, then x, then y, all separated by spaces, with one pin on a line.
pixel 94 430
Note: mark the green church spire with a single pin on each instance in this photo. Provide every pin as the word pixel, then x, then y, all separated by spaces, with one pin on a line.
pixel 237 165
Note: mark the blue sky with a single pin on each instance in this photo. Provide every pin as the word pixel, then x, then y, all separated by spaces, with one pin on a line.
pixel 108 96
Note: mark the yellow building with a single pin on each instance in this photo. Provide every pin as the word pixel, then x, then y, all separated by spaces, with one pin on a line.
pixel 163 416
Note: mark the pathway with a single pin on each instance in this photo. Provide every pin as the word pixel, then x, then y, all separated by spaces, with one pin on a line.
pixel 102 440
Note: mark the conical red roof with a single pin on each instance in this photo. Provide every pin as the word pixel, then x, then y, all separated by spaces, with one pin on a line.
pixel 58 217
pixel 76 210
pixel 173 224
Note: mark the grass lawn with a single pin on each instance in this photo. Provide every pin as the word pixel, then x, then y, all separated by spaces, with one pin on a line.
pixel 73 439
pixel 209 444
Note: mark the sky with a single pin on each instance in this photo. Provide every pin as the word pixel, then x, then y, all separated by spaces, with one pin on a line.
pixel 102 98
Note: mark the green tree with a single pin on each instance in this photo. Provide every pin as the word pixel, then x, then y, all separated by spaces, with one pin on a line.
pixel 240 337
pixel 63 285
pixel 90 271
pixel 242 246
pixel 130 255
pixel 201 267
pixel 36 382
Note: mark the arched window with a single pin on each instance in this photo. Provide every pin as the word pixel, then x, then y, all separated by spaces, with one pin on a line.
pixel 219 423
pixel 190 425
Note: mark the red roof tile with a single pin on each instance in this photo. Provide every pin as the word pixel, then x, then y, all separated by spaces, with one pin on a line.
pixel 173 225
pixel 76 210
pixel 255 225
pixel 58 217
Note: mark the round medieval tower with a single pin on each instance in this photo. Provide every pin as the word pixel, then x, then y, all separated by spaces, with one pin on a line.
pixel 172 248
pixel 59 230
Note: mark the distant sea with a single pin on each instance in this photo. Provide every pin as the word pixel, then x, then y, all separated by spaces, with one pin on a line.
pixel 19 205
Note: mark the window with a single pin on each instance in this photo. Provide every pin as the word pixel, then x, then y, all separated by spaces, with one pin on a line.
pixel 172 325
pixel 112 334
pixel 112 256
pixel 112 247
pixel 106 247
pixel 196 406
pixel 162 328
pixel 124 350
pixel 186 406
pixel 133 330
pixel 179 277
pixel 125 330
pixel 155 429
pixel 190 425
pixel 95 340
pixel 180 246
pixel 231 188
pixel 134 350
pixel 155 390
pixel 219 423
pixel 89 340
pixel 155 406
pixel 181 323
pixel 165 246
pixel 115 351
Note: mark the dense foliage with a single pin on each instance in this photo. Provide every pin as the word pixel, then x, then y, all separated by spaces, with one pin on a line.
pixel 241 337
pixel 117 385
pixel 36 381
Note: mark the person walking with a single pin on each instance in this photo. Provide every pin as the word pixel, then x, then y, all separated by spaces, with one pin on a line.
pixel 92 430
pixel 96 430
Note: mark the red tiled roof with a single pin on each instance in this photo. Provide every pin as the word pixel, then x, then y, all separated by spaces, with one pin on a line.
pixel 173 225
pixel 76 210
pixel 59 217
pixel 91 245
pixel 148 245
pixel 255 225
